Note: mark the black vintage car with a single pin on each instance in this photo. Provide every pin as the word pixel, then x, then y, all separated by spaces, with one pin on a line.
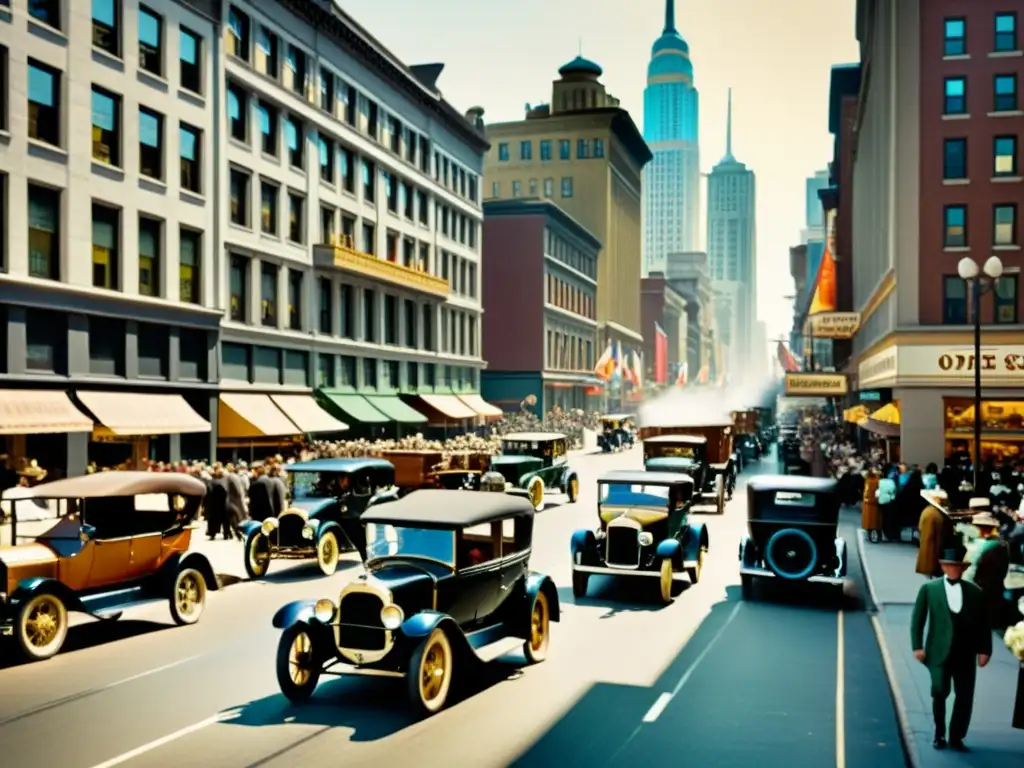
pixel 644 531
pixel 328 497
pixel 688 454
pixel 537 462
pixel 792 525
pixel 447 586
pixel 616 432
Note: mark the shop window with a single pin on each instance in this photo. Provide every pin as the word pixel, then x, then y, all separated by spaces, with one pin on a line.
pixel 235 361
pixel 1002 428
pixel 348 371
pixel 46 341
pixel 193 355
pixel 954 300
pixel 296 368
pixel 266 368
pixel 955 43
pixel 106 346
pixel 325 370
pixel 1005 302
pixel 153 345
pixel 955 226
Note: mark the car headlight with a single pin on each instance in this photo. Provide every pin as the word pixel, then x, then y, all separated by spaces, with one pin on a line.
pixel 323 611
pixel 307 533
pixel 1020 606
pixel 269 526
pixel 645 539
pixel 391 616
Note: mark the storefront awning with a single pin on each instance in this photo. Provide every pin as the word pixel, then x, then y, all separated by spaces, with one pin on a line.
pixel 37 412
pixel 480 406
pixel 307 415
pixel 450 406
pixel 392 406
pixel 131 414
pixel 244 416
pixel 356 406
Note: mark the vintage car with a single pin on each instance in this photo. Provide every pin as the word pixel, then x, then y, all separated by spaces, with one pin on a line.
pixel 616 432
pixel 791 457
pixel 109 541
pixel 327 498
pixel 447 586
pixel 644 531
pixel 792 525
pixel 747 436
pixel 696 456
pixel 539 463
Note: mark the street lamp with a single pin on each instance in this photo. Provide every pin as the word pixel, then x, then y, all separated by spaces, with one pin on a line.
pixel 979 284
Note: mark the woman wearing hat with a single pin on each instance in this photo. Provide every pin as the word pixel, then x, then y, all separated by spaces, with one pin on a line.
pixel 990 562
pixel 935 531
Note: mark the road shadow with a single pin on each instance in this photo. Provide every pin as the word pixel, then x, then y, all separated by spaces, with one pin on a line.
pixel 302 572
pixel 88 635
pixel 622 594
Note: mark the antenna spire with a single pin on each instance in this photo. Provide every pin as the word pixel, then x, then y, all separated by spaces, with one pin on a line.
pixel 728 128
pixel 670 17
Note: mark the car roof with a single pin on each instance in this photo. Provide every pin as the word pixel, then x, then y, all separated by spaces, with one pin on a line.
pixel 639 477
pixel 690 439
pixel 513 458
pixel 533 436
pixel 619 416
pixel 115 483
pixel 434 508
pixel 793 483
pixel 339 465
pixel 692 425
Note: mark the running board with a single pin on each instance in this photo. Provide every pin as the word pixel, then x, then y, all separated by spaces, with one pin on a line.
pixel 766 574
pixel 676 575
pixel 499 648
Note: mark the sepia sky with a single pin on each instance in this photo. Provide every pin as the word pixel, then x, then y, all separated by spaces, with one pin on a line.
pixel 775 54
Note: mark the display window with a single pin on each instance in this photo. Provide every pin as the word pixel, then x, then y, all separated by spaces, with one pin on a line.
pixel 1002 428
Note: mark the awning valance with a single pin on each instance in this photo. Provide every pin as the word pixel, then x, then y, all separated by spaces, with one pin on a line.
pixel 356 406
pixel 35 412
pixel 392 406
pixel 245 416
pixel 450 406
pixel 132 414
pixel 481 406
pixel 307 415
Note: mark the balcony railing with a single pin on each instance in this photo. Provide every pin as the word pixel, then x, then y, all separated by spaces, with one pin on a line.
pixel 340 254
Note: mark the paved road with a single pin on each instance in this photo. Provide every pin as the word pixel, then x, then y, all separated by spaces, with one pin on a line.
pixel 707 680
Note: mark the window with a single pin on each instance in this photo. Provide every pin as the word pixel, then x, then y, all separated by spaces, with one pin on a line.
pixel 190 49
pixel 503 152
pixel 46 11
pixel 347 163
pixel 326 91
pixel 44 232
pixel 294 300
pixel 582 149
pixel 266 60
pixel 1005 156
pixel 106 346
pixel 296 136
pixel 1005 97
pixel 954 300
pixel 151 41
pixel 150 239
pixel 549 187
pixel 526 150
pixel 106 127
pixel 369 315
pixel 238 34
pixel 429 320
pixel 43 103
pixel 238 112
pixel 239 286
pixel 598 148
pixel 955 218
pixel 1004 224
pixel 189 145
pixel 346 312
pixel 268 294
pixel 564 149
pixel 296 215
pixel 267 117
pixel 326 147
pixel 954 163
pixel 106 250
pixel 408 201
pixel 151 143
pixel 325 293
pixel 295 70
pixel 268 207
pixel 369 182
pixel 370 373
pixel 495 189
pixel 46 341
pixel 369 244
pixel 4 65
pixel 239 185
pixel 390 320
pixel 956 37
pixel 1006 32
pixel 189 257
pixel 515 189
pixel 106 24
pixel 1004 308
pixel 567 186
pixel 545 149
pixel 956 96
pixel 409 316
pixel 328 216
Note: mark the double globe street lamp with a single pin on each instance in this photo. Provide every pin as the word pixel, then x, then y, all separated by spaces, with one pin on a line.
pixel 980 280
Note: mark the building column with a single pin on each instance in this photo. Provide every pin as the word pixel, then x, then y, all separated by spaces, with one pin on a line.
pixel 77 457
pixel 174 447
pixel 17 339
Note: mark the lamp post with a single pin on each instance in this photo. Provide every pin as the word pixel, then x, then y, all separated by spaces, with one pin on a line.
pixel 980 281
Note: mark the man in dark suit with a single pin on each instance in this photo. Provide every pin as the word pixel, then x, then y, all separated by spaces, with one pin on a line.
pixel 958 637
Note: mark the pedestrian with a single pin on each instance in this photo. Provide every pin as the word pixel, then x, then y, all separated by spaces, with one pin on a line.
pixel 870 519
pixel 265 498
pixel 935 533
pixel 216 500
pixel 990 562
pixel 234 505
pixel 280 489
pixel 958 638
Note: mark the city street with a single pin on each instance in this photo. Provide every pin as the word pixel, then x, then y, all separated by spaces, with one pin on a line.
pixel 787 680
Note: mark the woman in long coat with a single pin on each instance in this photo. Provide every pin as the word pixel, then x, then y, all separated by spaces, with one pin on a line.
pixel 870 518
pixel 936 529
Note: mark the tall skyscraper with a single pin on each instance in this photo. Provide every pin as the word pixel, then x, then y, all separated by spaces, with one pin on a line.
pixel 732 251
pixel 672 180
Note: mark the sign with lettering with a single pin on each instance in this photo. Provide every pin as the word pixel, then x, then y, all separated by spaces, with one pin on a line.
pixel 870 396
pixel 834 325
pixel 815 385
pixel 1002 364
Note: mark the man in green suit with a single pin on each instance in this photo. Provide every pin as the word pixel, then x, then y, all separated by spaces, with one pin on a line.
pixel 958 637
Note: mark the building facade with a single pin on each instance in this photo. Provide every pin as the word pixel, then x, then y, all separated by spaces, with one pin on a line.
pixel 936 177
pixel 540 288
pixel 584 152
pixel 664 306
pixel 814 218
pixel 108 230
pixel 687 274
pixel 671 130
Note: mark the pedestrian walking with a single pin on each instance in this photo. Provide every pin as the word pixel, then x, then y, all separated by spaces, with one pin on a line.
pixel 935 532
pixel 216 501
pixel 266 497
pixel 234 506
pixel 990 562
pixel 958 641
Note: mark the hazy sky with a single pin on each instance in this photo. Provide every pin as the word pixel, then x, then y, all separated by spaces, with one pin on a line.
pixel 775 54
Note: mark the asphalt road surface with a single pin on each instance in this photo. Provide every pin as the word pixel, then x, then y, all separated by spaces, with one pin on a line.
pixel 788 680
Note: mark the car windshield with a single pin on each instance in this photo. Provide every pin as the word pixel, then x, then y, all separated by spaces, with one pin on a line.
pixel 793 499
pixel 620 494
pixel 394 541
pixel 317 485
pixel 677 451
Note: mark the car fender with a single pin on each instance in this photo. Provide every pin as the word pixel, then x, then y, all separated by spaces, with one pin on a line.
pixel 670 549
pixel 696 540
pixel 536 583
pixel 567 476
pixel 582 541
pixel 748 556
pixel 524 480
pixel 841 555
pixel 199 562
pixel 384 497
pixel 249 527
pixel 299 611
pixel 29 588
pixel 321 527
pixel 415 628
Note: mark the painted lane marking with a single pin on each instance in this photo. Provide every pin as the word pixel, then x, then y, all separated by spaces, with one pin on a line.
pixel 707 649
pixel 156 744
pixel 840 693
pixel 659 706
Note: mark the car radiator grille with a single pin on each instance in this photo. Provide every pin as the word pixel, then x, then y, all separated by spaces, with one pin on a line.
pixel 623 547
pixel 289 532
pixel 360 627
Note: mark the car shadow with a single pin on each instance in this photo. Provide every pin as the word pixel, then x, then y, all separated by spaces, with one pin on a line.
pixel 92 634
pixel 808 595
pixel 621 595
pixel 306 571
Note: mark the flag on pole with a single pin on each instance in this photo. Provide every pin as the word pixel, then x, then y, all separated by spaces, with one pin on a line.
pixel 607 364
pixel 704 375
pixel 627 366
pixel 638 372
pixel 660 355
pixel 619 359
pixel 789 363
pixel 682 374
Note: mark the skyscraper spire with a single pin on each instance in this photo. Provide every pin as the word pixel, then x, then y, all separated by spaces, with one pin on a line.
pixel 670 17
pixel 728 129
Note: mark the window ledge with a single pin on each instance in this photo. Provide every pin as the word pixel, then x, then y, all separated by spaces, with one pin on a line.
pixel 270 237
pixel 107 168
pixel 1005 54
pixel 1007 179
pixel 153 185
pixel 106 55
pixel 5 136
pixel 1007 113
pixel 957 117
pixel 191 96
pixel 270 158
pixel 956 182
pixel 193 197
pixel 240 143
pixel 42 26
pixel 1006 247
pixel 957 249
pixel 240 227
pixel 152 78
pixel 958 57
pixel 47 147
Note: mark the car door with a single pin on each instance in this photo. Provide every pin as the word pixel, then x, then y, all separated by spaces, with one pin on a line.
pixel 515 555
pixel 111 538
pixel 152 516
pixel 478 580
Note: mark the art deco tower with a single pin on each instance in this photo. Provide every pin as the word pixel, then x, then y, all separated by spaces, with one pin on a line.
pixel 672 180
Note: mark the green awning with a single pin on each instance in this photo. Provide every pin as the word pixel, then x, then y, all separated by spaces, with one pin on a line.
pixel 355 406
pixel 392 406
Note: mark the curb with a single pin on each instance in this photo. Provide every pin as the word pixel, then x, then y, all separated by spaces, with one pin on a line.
pixel 906 732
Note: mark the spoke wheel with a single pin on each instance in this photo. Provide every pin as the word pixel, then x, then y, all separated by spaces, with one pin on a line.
pixel 327 553
pixel 665 580
pixel 188 596
pixel 257 555
pixel 536 491
pixel 574 489
pixel 536 648
pixel 298 671
pixel 42 627
pixel 695 571
pixel 430 674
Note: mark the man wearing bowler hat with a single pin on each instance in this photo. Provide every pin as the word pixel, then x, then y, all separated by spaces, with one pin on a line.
pixel 958 637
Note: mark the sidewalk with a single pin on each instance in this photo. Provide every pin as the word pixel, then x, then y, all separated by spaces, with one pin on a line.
pixel 893 584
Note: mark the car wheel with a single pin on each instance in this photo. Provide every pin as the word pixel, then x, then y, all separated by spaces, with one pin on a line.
pixel 721 499
pixel 536 648
pixel 327 553
pixel 257 555
pixel 42 626
pixel 430 674
pixel 747 586
pixel 572 490
pixel 665 581
pixel 297 670
pixel 188 597
pixel 579 584
pixel 695 571
pixel 536 490
pixel 874 536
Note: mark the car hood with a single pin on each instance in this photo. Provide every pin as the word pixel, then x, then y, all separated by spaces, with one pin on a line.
pixel 669 462
pixel 643 516
pixel 510 460
pixel 411 585
pixel 26 554
pixel 312 507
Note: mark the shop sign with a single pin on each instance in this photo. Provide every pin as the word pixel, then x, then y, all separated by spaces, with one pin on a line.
pixel 878 370
pixel 834 325
pixel 871 396
pixel 1004 364
pixel 815 385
